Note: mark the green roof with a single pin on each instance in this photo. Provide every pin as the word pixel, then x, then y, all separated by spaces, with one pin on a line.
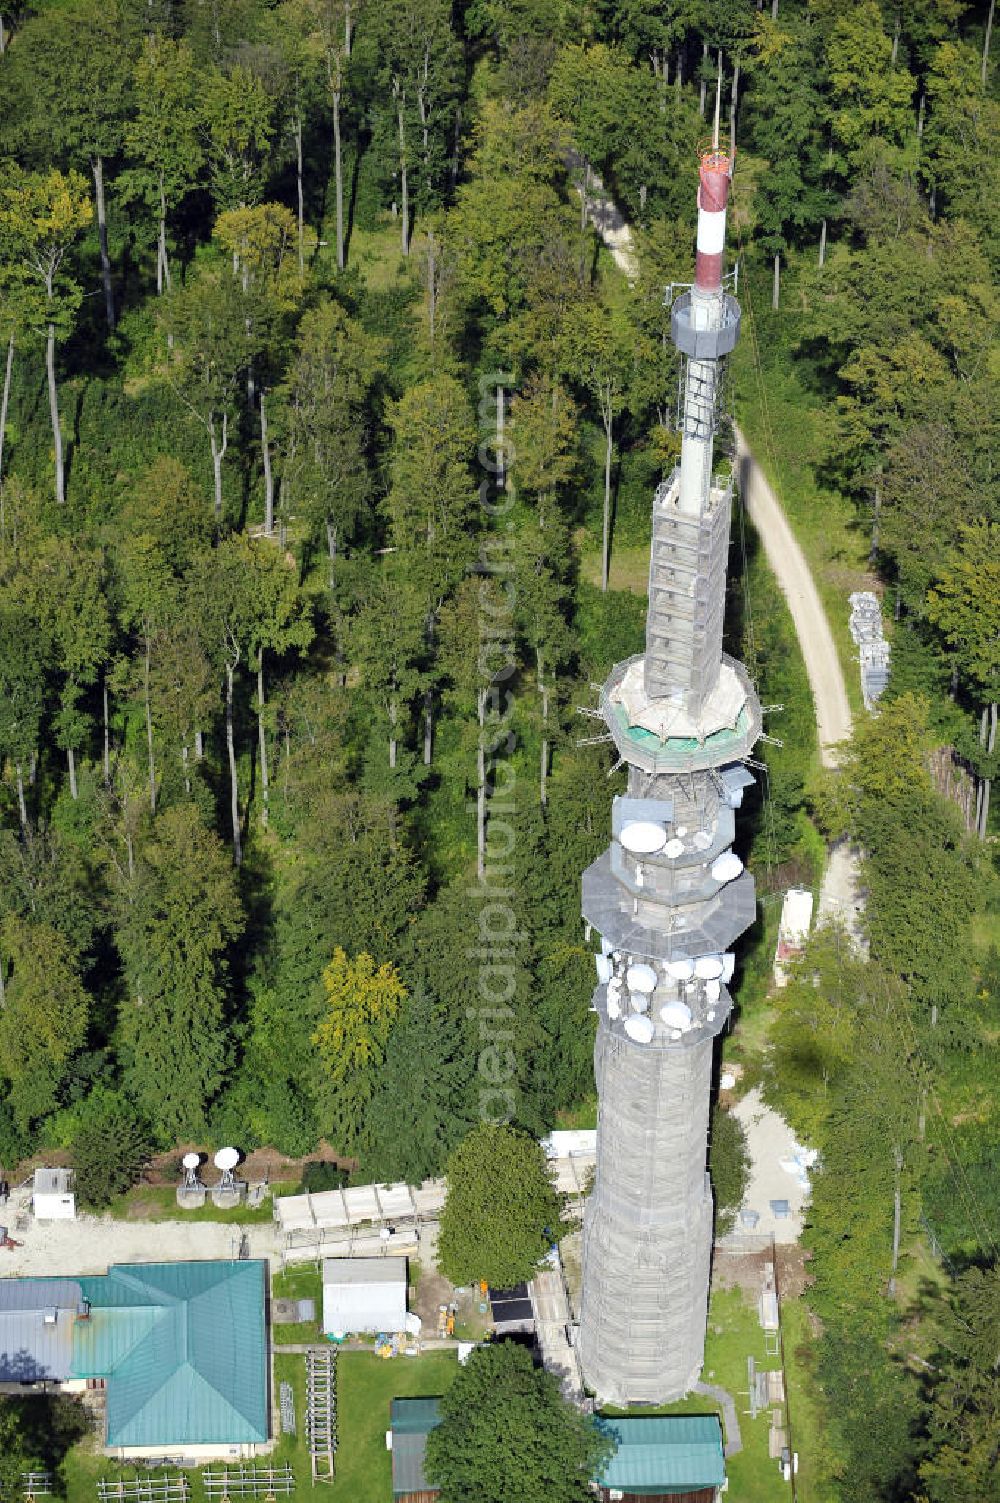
pixel 659 1453
pixel 414 1416
pixel 182 1347
pixel 412 1421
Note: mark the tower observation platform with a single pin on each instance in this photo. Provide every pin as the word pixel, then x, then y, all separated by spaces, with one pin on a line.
pixel 669 897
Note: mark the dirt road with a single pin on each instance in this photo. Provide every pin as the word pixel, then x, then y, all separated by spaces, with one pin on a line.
pixel 788 564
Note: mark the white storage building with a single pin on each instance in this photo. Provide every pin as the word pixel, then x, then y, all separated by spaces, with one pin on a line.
pixel 364 1294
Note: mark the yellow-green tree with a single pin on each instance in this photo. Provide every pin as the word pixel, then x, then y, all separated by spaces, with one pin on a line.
pixel 41 214
pixel 43 1017
pixel 362 1002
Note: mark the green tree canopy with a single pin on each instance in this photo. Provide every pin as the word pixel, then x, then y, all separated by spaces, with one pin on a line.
pixel 507 1433
pixel 502 1212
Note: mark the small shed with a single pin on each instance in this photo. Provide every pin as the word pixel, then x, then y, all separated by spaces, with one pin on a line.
pixel 52 1197
pixel 675 1458
pixel 364 1294
pixel 412 1421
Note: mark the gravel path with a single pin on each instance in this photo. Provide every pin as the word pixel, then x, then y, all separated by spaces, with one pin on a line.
pixel 788 564
pixel 90 1243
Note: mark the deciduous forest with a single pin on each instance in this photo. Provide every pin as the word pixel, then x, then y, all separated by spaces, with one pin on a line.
pixel 311 364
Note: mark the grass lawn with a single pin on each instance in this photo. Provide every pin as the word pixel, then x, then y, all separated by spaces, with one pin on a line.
pixel 303 1281
pixel 159 1203
pixel 365 1386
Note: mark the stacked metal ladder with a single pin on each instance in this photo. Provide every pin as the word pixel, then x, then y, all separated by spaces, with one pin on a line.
pixel 321 1412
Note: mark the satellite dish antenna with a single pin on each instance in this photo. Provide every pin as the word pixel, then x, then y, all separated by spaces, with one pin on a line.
pixel 639 1029
pixel 673 849
pixel 708 967
pixel 680 970
pixel 641 978
pixel 638 1001
pixel 676 1015
pixel 225 1161
pixel 642 837
pixel 190 1161
pixel 726 867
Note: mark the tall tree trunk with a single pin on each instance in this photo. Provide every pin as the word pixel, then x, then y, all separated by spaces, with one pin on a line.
pixel 703 91
pixel 107 730
pixel 481 792
pixel 300 196
pixel 234 796
pixel 348 28
pixel 986 41
pixel 71 764
pixel 393 717
pixel 895 38
pixel 22 807
pixel 338 173
pixel 162 261
pixel 606 534
pixel 265 787
pixel 218 455
pixel 184 764
pixel 733 106
pixel 921 111
pixel 57 443
pixel 149 730
pixel 583 193
pixel 543 770
pixel 822 243
pixel 428 725
pixel 97 167
pixel 774 10
pixel 331 548
pixel 897 1213
pixel 265 449
pixel 776 287
pixel 199 745
pixel 431 285
pixel 404 187
pixel 876 524
pixel 5 399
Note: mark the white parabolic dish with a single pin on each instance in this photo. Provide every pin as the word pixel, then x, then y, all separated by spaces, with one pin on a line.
pixel 641 978
pixel 676 1015
pixel 708 967
pixel 191 1160
pixel 726 867
pixel 640 1030
pixel 673 849
pixel 642 837
pixel 680 970
pixel 226 1158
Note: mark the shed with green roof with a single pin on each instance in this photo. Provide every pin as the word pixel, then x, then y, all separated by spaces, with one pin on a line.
pixel 676 1458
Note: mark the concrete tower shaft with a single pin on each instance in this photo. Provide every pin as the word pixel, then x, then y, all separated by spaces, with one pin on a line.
pixel 669 897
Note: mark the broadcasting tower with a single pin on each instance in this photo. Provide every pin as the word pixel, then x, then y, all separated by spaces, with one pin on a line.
pixel 669 897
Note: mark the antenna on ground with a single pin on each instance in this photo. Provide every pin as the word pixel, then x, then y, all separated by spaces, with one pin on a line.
pixel 225 1161
pixel 191 1161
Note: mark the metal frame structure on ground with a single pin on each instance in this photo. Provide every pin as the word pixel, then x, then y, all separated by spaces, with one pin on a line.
pixel 321 1412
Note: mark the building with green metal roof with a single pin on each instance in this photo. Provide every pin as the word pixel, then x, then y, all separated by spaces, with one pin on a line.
pixel 669 1457
pixel 180 1350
